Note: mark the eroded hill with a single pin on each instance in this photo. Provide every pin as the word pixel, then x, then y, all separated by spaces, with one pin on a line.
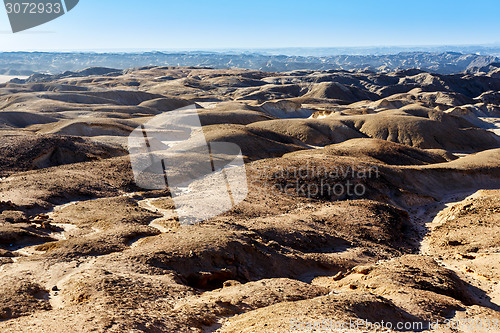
pixel 354 210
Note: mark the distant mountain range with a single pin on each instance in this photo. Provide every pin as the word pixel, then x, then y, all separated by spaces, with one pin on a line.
pixel 27 63
pixel 374 50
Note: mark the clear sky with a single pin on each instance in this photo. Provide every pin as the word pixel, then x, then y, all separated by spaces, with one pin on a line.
pixel 211 24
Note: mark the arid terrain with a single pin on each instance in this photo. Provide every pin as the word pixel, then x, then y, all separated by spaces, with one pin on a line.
pixel 413 237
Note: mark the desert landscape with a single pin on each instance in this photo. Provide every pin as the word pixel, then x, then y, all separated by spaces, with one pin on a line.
pixel 373 197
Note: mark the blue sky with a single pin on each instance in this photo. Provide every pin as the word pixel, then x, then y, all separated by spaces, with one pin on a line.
pixel 204 24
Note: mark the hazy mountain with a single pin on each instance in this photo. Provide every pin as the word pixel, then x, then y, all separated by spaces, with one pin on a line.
pixel 25 63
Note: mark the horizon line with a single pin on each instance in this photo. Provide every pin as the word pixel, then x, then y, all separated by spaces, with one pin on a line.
pixel 215 49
